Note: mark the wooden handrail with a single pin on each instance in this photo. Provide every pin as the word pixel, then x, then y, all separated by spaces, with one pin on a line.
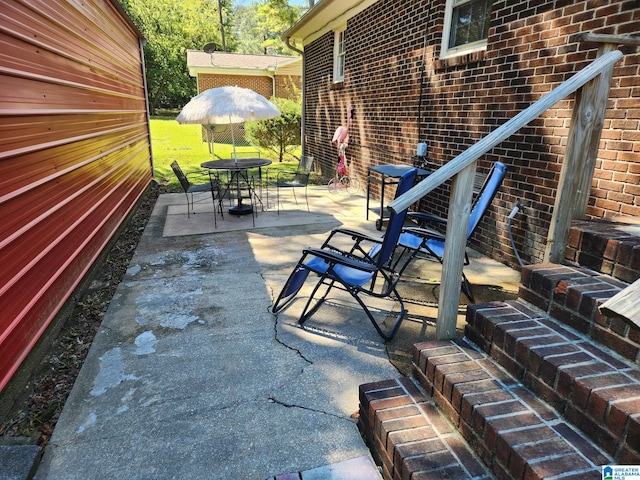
pixel 503 132
pixel 610 39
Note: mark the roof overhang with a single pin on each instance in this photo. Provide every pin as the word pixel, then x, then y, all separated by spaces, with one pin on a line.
pixel 286 63
pixel 269 71
pixel 212 70
pixel 323 17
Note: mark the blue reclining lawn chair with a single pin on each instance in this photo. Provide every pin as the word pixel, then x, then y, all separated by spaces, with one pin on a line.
pixel 355 271
pixel 431 242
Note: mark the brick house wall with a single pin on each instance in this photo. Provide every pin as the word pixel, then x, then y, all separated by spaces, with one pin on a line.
pixel 532 47
pixel 261 85
pixel 288 86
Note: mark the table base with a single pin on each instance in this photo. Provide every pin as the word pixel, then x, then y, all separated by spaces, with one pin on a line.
pixel 241 210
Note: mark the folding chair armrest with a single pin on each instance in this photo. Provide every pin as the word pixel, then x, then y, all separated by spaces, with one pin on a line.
pixel 424 233
pixel 357 237
pixel 284 173
pixel 354 234
pixel 267 171
pixel 201 175
pixel 427 234
pixel 337 258
pixel 426 218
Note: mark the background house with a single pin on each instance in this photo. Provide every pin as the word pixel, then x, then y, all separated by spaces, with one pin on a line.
pixel 448 73
pixel 74 159
pixel 268 75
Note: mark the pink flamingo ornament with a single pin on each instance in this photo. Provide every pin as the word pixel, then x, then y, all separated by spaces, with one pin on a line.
pixel 342 132
pixel 339 138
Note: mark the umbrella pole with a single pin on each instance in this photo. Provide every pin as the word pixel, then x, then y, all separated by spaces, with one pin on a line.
pixel 233 141
pixel 210 140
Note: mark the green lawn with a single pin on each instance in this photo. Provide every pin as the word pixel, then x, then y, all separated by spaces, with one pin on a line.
pixel 171 141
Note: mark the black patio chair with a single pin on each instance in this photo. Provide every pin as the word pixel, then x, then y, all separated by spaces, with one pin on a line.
pixel 292 180
pixel 355 270
pixel 189 188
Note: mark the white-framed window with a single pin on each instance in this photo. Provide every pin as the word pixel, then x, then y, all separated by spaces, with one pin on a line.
pixel 466 26
pixel 339 51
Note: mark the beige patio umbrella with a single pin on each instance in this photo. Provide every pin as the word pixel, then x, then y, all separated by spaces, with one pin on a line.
pixel 230 105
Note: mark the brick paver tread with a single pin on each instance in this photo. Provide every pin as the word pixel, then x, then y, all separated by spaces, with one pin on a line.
pixel 410 438
pixel 510 428
pixel 586 384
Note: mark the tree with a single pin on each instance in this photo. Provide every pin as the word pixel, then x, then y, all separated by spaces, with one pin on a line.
pixel 281 134
pixel 171 28
pixel 258 27
pixel 274 18
pixel 245 27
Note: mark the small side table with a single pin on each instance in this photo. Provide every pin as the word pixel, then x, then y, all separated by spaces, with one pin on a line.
pixel 386 175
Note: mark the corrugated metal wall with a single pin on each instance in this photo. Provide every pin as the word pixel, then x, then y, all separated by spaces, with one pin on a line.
pixel 74 154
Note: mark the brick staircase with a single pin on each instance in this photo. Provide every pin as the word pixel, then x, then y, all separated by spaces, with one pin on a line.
pixel 540 387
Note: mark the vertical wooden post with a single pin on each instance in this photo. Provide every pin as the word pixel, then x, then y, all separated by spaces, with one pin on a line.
pixel 579 163
pixel 454 248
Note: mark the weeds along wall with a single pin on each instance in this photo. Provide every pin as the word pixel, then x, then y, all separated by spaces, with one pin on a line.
pixel 404 93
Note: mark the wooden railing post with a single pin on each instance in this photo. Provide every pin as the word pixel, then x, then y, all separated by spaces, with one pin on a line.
pixel 454 248
pixel 576 175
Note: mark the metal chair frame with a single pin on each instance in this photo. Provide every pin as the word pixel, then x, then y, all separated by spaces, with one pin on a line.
pixel 430 242
pixel 189 188
pixel 360 270
pixel 298 179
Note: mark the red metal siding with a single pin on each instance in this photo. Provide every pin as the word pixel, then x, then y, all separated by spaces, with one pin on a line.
pixel 74 154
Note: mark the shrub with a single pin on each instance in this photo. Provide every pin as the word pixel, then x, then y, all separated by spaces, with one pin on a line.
pixel 280 135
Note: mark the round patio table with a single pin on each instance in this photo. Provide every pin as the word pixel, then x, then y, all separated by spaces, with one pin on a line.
pixel 238 170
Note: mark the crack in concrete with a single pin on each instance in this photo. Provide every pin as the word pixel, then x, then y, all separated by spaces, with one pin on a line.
pixel 275 336
pixel 275 327
pixel 301 407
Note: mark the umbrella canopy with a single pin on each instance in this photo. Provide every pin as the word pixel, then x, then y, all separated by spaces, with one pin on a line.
pixel 223 105
pixel 227 105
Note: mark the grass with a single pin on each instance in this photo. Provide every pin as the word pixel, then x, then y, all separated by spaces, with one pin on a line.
pixel 171 141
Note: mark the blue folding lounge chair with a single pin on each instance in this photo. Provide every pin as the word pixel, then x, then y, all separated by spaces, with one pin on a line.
pixel 356 271
pixel 431 243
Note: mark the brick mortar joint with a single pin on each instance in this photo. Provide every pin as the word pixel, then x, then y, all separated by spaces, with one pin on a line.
pixel 529 410
pixel 510 388
pixel 549 423
pixel 440 435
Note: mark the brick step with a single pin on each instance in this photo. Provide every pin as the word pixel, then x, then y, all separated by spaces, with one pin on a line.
pixel 410 438
pixel 608 247
pixel 516 434
pixel 508 407
pixel 572 295
pixel 588 386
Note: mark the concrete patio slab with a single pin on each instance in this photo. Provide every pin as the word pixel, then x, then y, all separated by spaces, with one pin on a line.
pixel 191 376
